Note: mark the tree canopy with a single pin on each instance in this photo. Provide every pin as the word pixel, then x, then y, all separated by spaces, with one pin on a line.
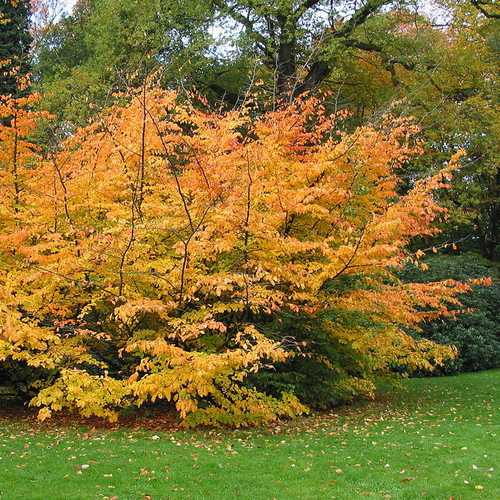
pixel 213 204
pixel 15 42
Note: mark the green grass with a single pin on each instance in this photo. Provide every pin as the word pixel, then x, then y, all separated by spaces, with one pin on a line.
pixel 439 439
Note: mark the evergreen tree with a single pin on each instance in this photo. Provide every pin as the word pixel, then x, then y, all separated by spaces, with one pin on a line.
pixel 15 41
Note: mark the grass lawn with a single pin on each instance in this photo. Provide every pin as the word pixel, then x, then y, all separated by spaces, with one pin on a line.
pixel 439 439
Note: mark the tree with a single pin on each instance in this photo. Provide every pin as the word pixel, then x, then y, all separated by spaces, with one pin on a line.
pixel 150 253
pixel 300 42
pixel 465 84
pixel 447 83
pixel 454 101
pixel 15 41
pixel 105 45
pixel 218 47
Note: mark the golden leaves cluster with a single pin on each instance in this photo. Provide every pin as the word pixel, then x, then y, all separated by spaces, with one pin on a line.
pixel 164 235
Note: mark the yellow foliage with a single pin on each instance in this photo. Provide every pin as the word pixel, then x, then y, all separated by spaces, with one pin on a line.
pixel 165 236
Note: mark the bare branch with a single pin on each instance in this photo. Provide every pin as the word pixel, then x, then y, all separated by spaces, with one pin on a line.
pixel 246 23
pixel 480 6
pixel 304 7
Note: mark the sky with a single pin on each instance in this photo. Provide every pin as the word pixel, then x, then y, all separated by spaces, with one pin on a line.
pixel 69 4
pixel 428 8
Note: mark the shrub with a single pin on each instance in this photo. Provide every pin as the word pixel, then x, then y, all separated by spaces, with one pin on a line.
pixel 153 254
pixel 476 333
pixel 325 371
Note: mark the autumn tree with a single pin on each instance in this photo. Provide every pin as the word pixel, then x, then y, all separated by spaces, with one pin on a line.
pixel 446 80
pixel 148 256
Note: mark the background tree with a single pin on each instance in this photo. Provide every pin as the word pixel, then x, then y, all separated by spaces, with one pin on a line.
pixel 218 47
pixel 457 104
pixel 15 42
pixel 448 82
pixel 105 45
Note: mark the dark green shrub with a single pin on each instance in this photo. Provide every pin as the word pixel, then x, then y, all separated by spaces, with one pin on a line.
pixel 19 381
pixel 475 334
pixel 328 372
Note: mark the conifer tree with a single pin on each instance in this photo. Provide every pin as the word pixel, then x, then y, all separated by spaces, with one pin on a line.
pixel 15 41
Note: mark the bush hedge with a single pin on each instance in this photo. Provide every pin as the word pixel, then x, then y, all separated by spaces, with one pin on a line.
pixel 476 333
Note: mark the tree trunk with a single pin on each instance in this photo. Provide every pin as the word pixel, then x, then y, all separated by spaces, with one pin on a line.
pixel 489 237
pixel 286 64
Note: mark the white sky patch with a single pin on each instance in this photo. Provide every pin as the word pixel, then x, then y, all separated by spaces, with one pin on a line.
pixel 69 4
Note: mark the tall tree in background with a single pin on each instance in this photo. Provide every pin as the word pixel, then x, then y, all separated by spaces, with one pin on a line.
pixel 445 77
pixel 216 46
pixel 302 42
pixel 458 109
pixel 222 45
pixel 87 55
pixel 15 41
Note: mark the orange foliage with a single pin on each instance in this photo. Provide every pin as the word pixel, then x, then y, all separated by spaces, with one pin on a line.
pixel 165 236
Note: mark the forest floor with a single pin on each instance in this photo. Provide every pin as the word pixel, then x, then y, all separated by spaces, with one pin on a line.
pixel 436 438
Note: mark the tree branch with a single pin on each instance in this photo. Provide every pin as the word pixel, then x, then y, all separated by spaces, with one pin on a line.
pixel 304 7
pixel 359 17
pixel 480 4
pixel 259 39
pixel 320 69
